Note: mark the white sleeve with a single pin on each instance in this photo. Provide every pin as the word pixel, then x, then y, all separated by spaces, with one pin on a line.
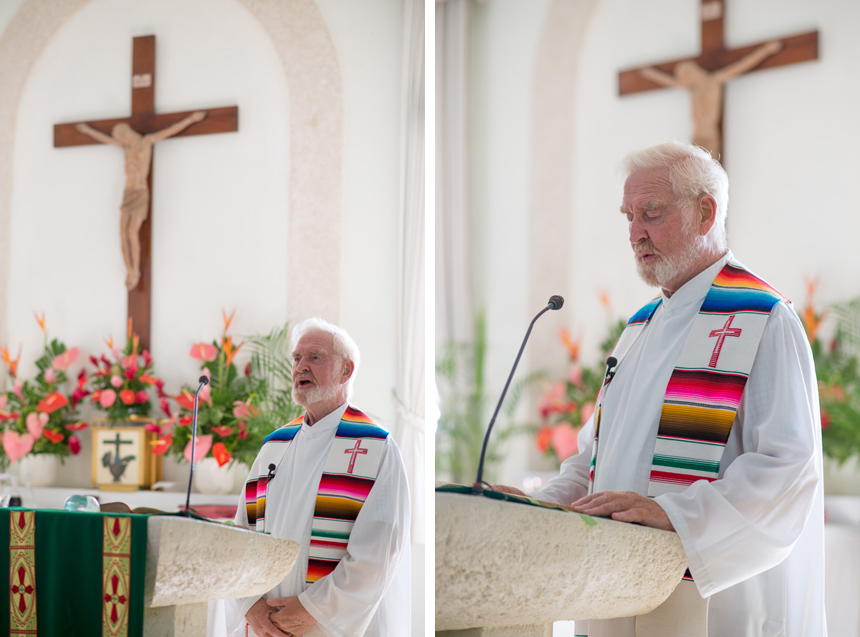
pixel 571 483
pixel 748 520
pixel 344 601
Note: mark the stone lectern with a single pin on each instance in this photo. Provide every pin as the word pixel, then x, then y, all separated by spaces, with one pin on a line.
pixel 190 562
pixel 505 569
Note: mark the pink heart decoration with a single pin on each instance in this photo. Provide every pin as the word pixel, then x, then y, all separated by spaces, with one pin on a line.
pixel 17 446
pixel 564 440
pixel 204 444
pixel 36 423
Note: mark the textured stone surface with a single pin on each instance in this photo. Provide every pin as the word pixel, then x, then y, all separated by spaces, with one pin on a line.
pixel 506 564
pixel 189 561
pixel 188 620
pixel 538 630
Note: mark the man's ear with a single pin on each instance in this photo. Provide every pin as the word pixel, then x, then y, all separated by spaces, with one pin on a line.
pixel 348 369
pixel 707 213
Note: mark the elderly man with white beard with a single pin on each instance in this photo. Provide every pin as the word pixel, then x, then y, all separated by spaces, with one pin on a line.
pixel 333 481
pixel 708 422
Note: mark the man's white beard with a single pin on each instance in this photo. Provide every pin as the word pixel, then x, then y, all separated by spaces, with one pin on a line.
pixel 667 267
pixel 315 394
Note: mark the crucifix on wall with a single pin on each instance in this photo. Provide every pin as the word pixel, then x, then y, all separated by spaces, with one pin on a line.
pixel 136 136
pixel 705 75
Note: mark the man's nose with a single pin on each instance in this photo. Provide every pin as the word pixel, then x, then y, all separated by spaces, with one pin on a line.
pixel 637 231
pixel 301 364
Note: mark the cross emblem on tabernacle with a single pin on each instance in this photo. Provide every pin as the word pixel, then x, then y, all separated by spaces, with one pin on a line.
pixel 721 334
pixel 354 451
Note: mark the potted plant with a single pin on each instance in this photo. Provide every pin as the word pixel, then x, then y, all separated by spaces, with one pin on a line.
pixel 38 417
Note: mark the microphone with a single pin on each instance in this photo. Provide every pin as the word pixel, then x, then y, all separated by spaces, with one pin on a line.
pixel 203 380
pixel 555 302
pixel 611 364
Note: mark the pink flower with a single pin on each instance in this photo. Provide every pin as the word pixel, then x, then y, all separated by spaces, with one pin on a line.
pixel 205 372
pixel 204 444
pixel 244 410
pixel 50 376
pixel 130 372
pixel 107 398
pixel 142 396
pixel 116 353
pixel 116 381
pixel 165 407
pixel 204 352
pixel 587 410
pixel 36 424
pixel 575 374
pixel 206 394
pixel 16 445
pixel 74 445
pixel 130 361
pixel 564 440
pixel 61 363
pixel 19 385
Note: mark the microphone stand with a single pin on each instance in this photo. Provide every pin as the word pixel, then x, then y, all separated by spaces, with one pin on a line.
pixel 204 380
pixel 555 303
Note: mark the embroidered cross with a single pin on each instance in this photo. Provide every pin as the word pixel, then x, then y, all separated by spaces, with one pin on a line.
pixel 114 599
pixel 721 335
pixel 24 589
pixel 354 451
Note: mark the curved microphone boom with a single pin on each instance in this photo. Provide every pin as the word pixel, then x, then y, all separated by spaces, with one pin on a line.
pixel 555 303
pixel 203 380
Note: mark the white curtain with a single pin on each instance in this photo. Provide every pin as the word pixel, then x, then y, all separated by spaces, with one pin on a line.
pixel 409 393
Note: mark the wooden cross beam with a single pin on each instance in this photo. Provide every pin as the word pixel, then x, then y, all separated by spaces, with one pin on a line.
pixel 145 121
pixel 719 62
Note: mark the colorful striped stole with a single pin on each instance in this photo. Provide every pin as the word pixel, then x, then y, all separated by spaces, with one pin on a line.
pixel 708 381
pixel 350 471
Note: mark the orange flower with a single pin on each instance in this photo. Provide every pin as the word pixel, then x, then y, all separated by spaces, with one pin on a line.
pixel 127 396
pixel 227 319
pixel 229 350
pixel 220 453
pixel 129 327
pixel 571 345
pixel 52 402
pixel 41 321
pixel 13 364
pixel 185 400
pixel 543 439
pixel 53 436
pixel 135 342
pixel 604 300
pixel 109 342
pixel 77 426
pixel 810 319
pixel 146 378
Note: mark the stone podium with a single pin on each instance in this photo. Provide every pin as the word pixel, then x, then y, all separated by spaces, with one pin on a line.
pixel 506 569
pixel 190 562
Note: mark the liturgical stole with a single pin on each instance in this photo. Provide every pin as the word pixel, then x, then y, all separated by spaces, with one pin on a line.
pixel 706 386
pixel 350 470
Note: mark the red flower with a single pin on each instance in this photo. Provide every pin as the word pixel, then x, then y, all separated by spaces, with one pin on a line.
pixel 243 430
pixel 543 439
pixel 220 453
pixel 162 444
pixel 165 407
pixel 77 426
pixel 146 378
pixel 127 396
pixel 185 400
pixel 159 386
pixel 53 436
pixel 52 402
pixel 147 359
pixel 185 421
pixel 6 416
pixel 94 361
pixel 825 420
pixel 223 430
pixel 78 395
pixel 248 369
pixel 74 445
pixel 152 427
pixel 130 372
pixel 142 396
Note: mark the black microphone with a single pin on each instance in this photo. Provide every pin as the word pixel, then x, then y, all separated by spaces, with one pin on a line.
pixel 611 364
pixel 204 380
pixel 555 302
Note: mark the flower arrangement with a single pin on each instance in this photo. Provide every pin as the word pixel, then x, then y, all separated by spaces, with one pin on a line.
pixel 36 416
pixel 566 405
pixel 837 370
pixel 121 386
pixel 229 411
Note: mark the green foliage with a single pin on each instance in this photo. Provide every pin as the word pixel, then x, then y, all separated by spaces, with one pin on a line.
pixel 460 370
pixel 271 366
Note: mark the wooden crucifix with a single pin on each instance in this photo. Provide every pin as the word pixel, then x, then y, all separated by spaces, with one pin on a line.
pixel 136 136
pixel 706 75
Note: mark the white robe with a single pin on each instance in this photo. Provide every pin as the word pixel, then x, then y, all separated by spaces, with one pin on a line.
pixel 755 536
pixel 368 594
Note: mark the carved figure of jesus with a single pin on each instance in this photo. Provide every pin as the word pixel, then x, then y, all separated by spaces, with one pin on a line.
pixel 137 149
pixel 707 91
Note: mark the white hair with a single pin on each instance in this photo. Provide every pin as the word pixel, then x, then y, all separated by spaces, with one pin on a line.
pixel 344 345
pixel 692 173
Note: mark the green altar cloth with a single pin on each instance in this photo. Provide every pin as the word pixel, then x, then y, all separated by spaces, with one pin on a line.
pixel 72 588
